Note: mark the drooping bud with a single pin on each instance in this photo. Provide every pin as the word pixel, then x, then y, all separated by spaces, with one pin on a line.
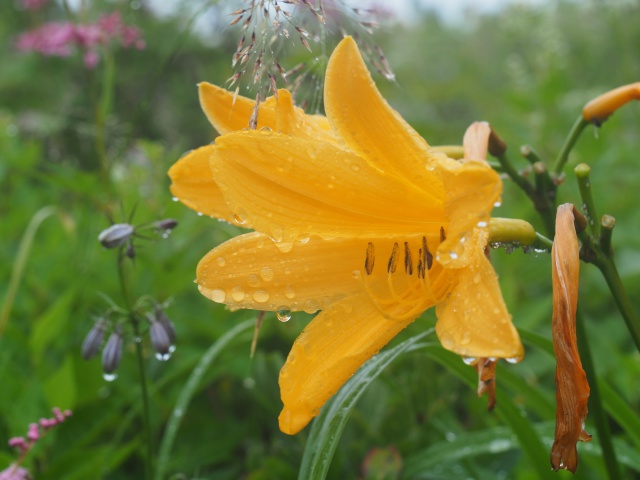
pixel 164 320
pixel 159 338
pixel 116 235
pixel 112 352
pixel 572 388
pixel 93 340
pixel 166 224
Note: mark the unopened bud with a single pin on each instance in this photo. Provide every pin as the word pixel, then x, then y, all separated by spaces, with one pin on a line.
pixel 93 340
pixel 159 338
pixel 116 235
pixel 164 320
pixel 112 353
pixel 166 224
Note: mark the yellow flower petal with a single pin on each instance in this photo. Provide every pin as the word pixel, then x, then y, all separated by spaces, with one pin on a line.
pixel 228 114
pixel 253 271
pixel 368 125
pixel 601 107
pixel 287 187
pixel 192 183
pixel 473 321
pixel 471 189
pixel 327 353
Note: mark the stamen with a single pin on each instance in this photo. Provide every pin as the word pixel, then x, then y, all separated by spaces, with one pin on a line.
pixel 443 235
pixel 420 264
pixel 428 258
pixel 371 258
pixel 408 262
pixel 393 259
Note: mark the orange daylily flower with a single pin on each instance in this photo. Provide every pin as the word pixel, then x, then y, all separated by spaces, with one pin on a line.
pixel 354 215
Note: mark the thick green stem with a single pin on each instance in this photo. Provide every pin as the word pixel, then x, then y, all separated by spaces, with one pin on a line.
pixel 569 142
pixel 596 408
pixel 610 273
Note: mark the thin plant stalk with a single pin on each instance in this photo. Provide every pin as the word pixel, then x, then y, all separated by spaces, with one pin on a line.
pixel 21 260
pixel 569 142
pixel 596 407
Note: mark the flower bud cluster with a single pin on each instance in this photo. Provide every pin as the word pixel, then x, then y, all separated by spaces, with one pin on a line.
pixel 121 235
pixel 161 334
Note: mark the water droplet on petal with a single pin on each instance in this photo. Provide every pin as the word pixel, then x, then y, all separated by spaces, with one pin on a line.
pixel 218 295
pixel 109 377
pixel 175 199
pixel 220 261
pixel 482 224
pixel 466 338
pixel 513 359
pixel 497 204
pixel 289 292
pixel 477 278
pixel 199 214
pixel 355 167
pixel 240 217
pixel 267 274
pixel 310 306
pixel 469 360
pixel 284 247
pixel 261 296
pixel 253 280
pixel 237 293
pixel 283 314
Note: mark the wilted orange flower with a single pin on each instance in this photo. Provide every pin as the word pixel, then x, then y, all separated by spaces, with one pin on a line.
pixel 354 215
pixel 572 388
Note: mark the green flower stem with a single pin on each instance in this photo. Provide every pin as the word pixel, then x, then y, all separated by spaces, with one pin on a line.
pixel 541 202
pixel 611 276
pixel 596 408
pixel 569 142
pixel 133 318
pixel 584 184
pixel 530 154
pixel 606 231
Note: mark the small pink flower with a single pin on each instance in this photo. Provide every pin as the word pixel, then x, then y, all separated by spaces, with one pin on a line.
pixel 13 472
pixel 33 434
pixel 91 59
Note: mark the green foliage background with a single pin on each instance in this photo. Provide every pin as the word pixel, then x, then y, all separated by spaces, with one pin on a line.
pixel 526 70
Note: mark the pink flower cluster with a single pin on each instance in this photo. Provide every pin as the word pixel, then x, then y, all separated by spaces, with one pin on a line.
pixel 34 432
pixel 62 39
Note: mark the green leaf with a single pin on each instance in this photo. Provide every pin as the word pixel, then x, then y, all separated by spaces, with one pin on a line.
pixel 328 426
pixel 60 387
pixel 51 324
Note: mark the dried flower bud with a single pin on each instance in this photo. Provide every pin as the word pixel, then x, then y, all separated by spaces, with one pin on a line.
pixel 600 108
pixel 572 388
pixel 112 352
pixel 486 368
pixel 159 337
pixel 116 235
pixel 93 340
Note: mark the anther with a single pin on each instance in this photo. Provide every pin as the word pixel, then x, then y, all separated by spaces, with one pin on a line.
pixel 393 259
pixel 371 258
pixel 428 258
pixel 408 262
pixel 443 236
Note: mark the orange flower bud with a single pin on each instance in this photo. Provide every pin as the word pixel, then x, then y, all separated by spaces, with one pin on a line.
pixel 599 109
pixel 572 388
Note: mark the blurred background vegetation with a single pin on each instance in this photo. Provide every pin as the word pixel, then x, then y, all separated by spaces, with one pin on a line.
pixel 527 70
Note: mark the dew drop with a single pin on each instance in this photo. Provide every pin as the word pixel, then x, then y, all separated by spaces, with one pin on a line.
pixel 283 314
pixel 466 338
pixel 356 274
pixel 497 204
pixel 267 274
pixel 447 342
pixel 220 261
pixel 284 247
pixel 175 199
pixel 109 377
pixel 355 167
pixel 513 360
pixel 172 348
pixel 477 278
pixel 482 224
pixel 453 255
pixel 265 129
pixel 289 292
pixel 240 217
pixel 261 296
pixel 218 295
pixel 253 280
pixel 163 357
pixel 310 306
pixel 469 360
pixel 199 214
pixel 237 293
